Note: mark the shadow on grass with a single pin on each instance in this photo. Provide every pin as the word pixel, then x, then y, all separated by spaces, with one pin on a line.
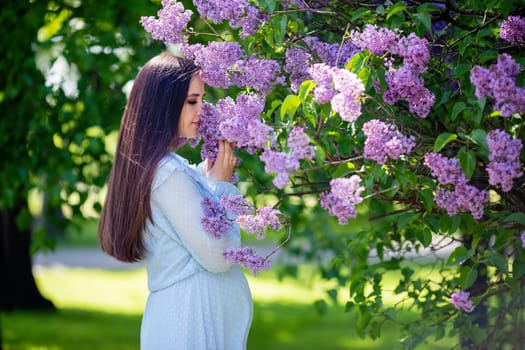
pixel 275 326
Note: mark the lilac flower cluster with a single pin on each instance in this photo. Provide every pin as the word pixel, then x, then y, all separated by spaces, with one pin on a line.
pixel 504 159
pixel 171 23
pixel 404 82
pixel 215 220
pixel 241 122
pixel 258 224
pixel 339 86
pixel 377 41
pixel 239 14
pixel 209 131
pixel 460 300
pixel 513 30
pixel 344 195
pixel 463 197
pixel 215 61
pixel 298 59
pixel 246 257
pixel 523 239
pixel 284 164
pixel 499 83
pixel 384 141
pixel 223 63
pixel 237 205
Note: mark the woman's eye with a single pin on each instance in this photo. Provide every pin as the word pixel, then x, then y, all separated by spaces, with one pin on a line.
pixel 192 102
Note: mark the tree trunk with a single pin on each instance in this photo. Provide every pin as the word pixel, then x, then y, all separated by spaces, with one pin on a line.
pixel 18 289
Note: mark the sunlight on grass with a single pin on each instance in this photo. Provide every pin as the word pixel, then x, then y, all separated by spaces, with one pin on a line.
pixel 100 309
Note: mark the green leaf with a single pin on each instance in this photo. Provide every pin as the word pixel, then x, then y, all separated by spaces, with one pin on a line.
pixel 518 268
pixel 357 61
pixel 427 198
pixel 458 108
pixel 424 19
pixel 442 140
pixel 290 105
pixel 516 217
pixel 306 88
pixel 499 261
pixel 398 7
pixel 360 12
pixel 459 255
pixel 467 161
pixel 468 276
pixel 424 236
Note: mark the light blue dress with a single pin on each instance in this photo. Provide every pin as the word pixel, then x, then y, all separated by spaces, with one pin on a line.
pixel 197 299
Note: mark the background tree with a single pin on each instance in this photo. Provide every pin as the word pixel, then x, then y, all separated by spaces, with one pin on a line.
pixel 64 67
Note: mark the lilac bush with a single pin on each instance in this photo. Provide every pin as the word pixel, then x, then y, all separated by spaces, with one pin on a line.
pixel 408 117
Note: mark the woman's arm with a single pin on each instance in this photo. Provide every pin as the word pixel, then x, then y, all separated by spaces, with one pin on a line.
pixel 180 200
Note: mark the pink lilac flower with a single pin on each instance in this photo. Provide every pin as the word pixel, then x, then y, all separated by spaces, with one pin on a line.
pixel 171 23
pixel 460 300
pixel 504 159
pixel 348 108
pixel 237 205
pixel 241 122
pixel 513 30
pixel 215 221
pixel 523 239
pixel 258 224
pixel 285 164
pixel 333 54
pixel 344 195
pixel 384 141
pixel 499 83
pixel 246 257
pixel 377 41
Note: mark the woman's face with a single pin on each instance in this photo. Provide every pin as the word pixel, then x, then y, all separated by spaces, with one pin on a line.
pixel 190 114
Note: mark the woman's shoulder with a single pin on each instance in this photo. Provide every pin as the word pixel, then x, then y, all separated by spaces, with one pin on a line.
pixel 169 164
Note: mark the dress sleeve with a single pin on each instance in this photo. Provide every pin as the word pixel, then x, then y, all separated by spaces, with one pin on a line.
pixel 179 198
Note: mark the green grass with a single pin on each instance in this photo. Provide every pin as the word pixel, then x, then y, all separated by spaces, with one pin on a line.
pixel 100 310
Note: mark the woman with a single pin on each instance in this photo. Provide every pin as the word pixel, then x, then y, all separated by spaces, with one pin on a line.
pixel 153 212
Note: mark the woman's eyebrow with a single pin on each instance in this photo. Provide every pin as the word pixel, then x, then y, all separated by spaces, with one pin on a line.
pixel 196 94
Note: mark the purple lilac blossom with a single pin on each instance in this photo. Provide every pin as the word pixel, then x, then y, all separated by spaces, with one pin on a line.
pixel 513 30
pixel 446 170
pixel 297 61
pixel 210 120
pixel 463 197
pixel 257 74
pixel 215 220
pixel 171 23
pixel 216 61
pixel 523 239
pixel 238 13
pixel 460 300
pixel 246 257
pixel 344 195
pixel 241 122
pixel 499 83
pixel 384 141
pixel 349 109
pixel 258 224
pixel 504 159
pixel 405 83
pixel 414 51
pixel 237 205
pixel 321 73
pixel 285 164
pixel 377 41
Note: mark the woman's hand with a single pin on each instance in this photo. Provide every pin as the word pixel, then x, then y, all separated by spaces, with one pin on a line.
pixel 223 167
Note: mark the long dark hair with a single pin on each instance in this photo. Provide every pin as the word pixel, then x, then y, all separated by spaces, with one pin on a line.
pixel 148 129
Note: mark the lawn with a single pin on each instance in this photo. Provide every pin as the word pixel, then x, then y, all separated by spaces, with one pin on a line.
pixel 100 309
